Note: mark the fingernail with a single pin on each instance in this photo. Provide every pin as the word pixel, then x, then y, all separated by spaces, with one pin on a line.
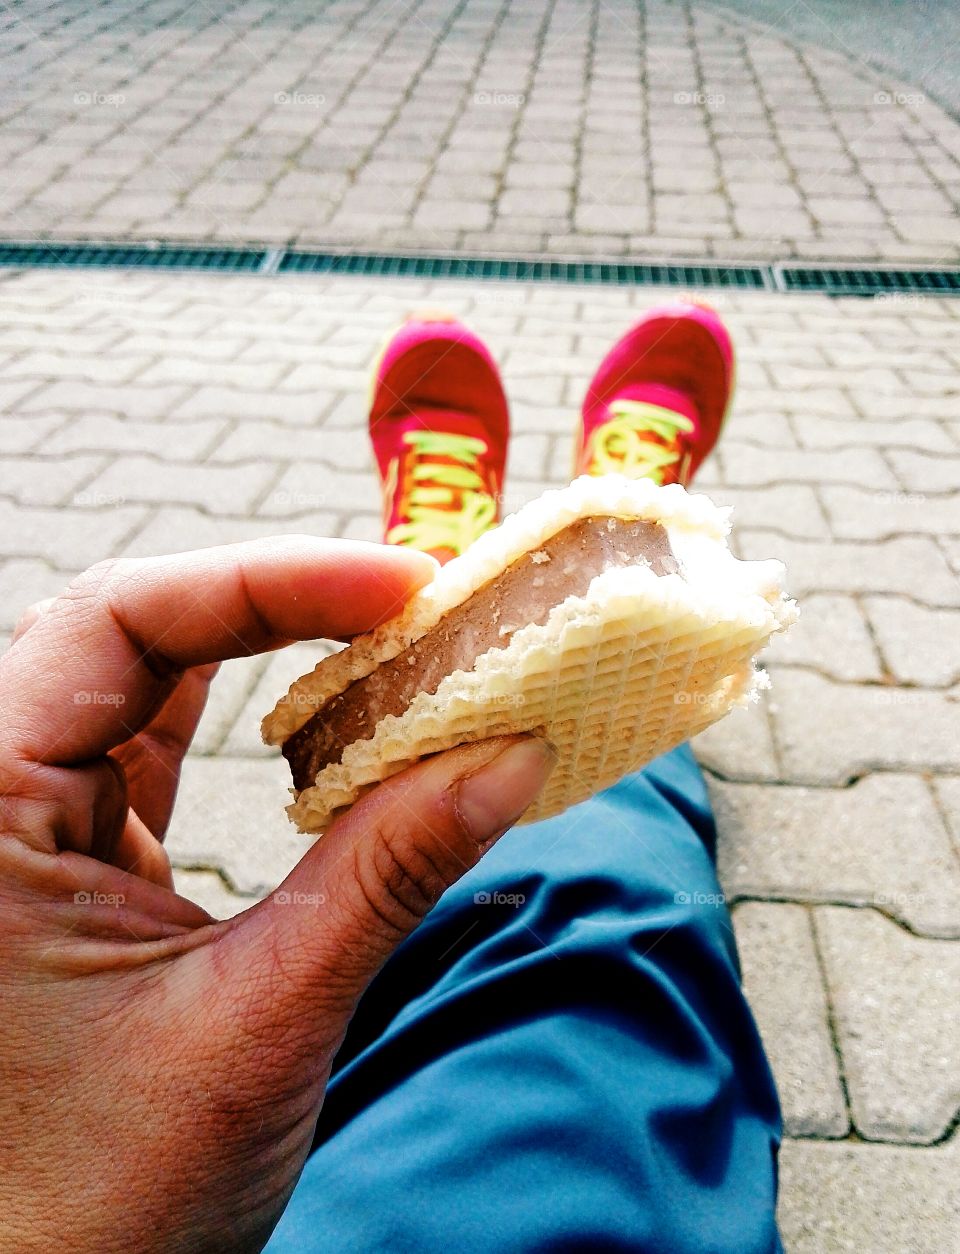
pixel 496 795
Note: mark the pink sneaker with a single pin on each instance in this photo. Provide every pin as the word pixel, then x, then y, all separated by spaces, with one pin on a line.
pixel 656 404
pixel 439 424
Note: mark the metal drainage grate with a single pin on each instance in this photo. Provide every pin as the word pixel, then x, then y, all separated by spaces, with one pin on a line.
pixel 132 257
pixel 780 276
pixel 425 266
pixel 854 281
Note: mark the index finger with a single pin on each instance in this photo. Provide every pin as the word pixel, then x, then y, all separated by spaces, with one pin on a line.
pixel 99 661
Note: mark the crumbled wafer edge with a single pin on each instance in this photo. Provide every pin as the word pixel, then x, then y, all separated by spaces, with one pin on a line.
pixel 680 511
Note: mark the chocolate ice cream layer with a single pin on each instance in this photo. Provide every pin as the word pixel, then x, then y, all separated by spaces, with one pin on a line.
pixel 524 593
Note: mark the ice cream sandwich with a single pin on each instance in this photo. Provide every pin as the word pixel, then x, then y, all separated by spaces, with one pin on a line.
pixel 609 617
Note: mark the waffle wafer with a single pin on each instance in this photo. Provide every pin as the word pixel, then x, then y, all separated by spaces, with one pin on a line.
pixel 644 656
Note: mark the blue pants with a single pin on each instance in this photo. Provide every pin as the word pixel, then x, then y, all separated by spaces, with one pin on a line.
pixel 560 1058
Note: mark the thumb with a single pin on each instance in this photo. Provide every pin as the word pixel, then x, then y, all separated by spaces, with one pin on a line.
pixel 314 945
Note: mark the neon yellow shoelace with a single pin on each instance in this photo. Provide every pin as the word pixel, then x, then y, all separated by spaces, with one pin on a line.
pixel 623 445
pixel 449 505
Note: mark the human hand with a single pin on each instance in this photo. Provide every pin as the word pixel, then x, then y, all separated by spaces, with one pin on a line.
pixel 161 1073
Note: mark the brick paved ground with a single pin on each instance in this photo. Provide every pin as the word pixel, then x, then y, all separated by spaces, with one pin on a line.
pixel 148 414
pixel 570 127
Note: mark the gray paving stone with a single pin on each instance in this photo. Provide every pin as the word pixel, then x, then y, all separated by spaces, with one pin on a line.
pixel 832 637
pixel 947 791
pixel 20 435
pixel 930 382
pixel 22 582
pixel 623 218
pixel 126 401
pixel 105 369
pixel 951 548
pixel 310 487
pixel 512 242
pixel 857 514
pixel 911 566
pixel 228 692
pixel 219 489
pixel 783 986
pixel 843 1196
pixel 168 339
pixel 855 845
pixel 361 527
pixel 173 368
pixel 342 449
pixel 527 455
pixel 175 529
pixel 770 430
pixel 740 746
pixel 896 408
pixel 749 466
pixel 453 214
pixel 103 433
pixel 920 645
pixel 534 202
pixel 795 379
pixel 312 376
pixel 894 997
pixel 830 402
pixel 298 409
pixel 792 509
pixel 925 228
pixel 47 481
pixel 384 171
pixel 230 818
pixel 14 398
pixel 829 733
pixel 274 679
pixel 920 473
pixel 68 540
pixel 816 431
pixel 521 363
pixel 539 174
